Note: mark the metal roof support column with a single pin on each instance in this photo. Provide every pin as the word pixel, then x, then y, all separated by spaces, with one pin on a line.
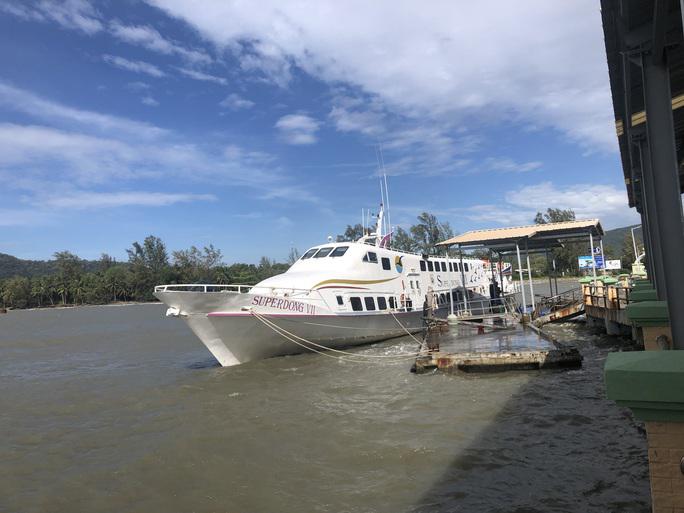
pixel 529 274
pixel 603 258
pixel 593 260
pixel 548 270
pixel 501 284
pixel 451 285
pixel 522 281
pixel 667 220
pixel 465 291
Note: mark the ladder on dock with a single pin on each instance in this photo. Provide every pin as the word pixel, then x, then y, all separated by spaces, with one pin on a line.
pixel 558 308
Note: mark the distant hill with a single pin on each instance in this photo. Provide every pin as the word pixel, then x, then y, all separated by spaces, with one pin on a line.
pixel 613 239
pixel 12 266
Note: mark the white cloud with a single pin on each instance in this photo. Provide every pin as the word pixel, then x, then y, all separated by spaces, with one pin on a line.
pixel 22 217
pixel 205 77
pixel 150 38
pixel 298 129
pixel 236 102
pixel 36 106
pixel 149 101
pixel 138 86
pixel 537 62
pixel 134 66
pixel 82 200
pixel 507 165
pixel 70 14
pixel 588 201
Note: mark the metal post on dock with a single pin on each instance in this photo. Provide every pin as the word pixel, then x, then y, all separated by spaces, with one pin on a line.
pixel 529 274
pixel 593 260
pixel 522 281
pixel 500 272
pixel 465 292
pixel 548 270
pixel 451 283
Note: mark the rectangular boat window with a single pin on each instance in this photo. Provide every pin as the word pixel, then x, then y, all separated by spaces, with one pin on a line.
pixel 339 251
pixel 466 267
pixel 356 304
pixel 430 266
pixel 411 282
pixel 386 264
pixel 309 253
pixel 422 265
pixel 417 284
pixel 323 252
pixel 451 267
pixel 340 301
pixel 371 257
pixel 382 303
pixel 444 266
pixel 392 302
pixel 370 303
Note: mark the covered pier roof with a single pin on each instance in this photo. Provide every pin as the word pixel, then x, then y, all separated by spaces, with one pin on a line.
pixel 535 236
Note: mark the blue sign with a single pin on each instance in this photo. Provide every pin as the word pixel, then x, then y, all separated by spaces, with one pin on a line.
pixel 585 262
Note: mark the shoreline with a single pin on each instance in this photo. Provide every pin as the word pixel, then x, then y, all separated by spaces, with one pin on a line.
pixel 71 307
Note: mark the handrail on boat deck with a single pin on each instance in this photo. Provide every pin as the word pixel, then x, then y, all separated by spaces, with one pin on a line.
pixel 203 287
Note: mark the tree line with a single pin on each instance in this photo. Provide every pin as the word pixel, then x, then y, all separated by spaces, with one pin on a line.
pixel 77 281
pixel 149 264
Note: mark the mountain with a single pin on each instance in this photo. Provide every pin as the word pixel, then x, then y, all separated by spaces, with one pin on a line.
pixel 614 239
pixel 12 266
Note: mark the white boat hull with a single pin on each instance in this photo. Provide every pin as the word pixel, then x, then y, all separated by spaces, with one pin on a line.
pixel 235 335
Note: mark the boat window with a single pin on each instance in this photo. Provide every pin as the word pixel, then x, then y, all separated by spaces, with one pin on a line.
pixel 411 282
pixel 323 252
pixel 444 266
pixel 422 265
pixel 442 298
pixel 370 303
pixel 392 302
pixel 356 304
pixel 309 253
pixel 466 267
pixel 430 266
pixel 371 257
pixel 417 284
pixel 340 301
pixel 382 303
pixel 386 264
pixel 339 251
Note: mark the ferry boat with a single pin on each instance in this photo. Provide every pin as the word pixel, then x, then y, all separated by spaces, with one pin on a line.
pixel 336 295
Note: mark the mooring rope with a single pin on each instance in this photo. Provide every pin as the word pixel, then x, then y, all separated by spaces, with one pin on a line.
pixel 346 355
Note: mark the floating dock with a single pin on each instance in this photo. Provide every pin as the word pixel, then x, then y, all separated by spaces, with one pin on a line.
pixel 496 361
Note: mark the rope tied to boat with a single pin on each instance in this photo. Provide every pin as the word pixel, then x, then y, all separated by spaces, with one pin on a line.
pixel 340 354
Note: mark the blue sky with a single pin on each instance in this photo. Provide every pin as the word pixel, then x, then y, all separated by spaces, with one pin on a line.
pixel 254 126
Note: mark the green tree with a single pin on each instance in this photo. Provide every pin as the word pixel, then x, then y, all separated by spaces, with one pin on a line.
pixel 106 261
pixel 69 268
pixel 429 231
pixel 149 262
pixel 351 234
pixel 403 241
pixel 294 254
pixel 17 292
pixel 554 215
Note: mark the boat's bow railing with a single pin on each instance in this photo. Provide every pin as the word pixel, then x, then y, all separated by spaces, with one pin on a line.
pixel 204 287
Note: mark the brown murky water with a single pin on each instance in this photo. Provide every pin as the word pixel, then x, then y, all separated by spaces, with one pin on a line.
pixel 111 409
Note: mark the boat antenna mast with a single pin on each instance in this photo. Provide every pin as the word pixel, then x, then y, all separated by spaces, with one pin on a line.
pixel 384 193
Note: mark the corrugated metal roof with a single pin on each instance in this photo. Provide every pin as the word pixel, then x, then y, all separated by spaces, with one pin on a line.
pixel 566 229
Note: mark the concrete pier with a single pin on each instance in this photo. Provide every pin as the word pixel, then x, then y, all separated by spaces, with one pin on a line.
pixel 499 361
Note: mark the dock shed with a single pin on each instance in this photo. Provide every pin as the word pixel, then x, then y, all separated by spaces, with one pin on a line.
pixel 534 238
